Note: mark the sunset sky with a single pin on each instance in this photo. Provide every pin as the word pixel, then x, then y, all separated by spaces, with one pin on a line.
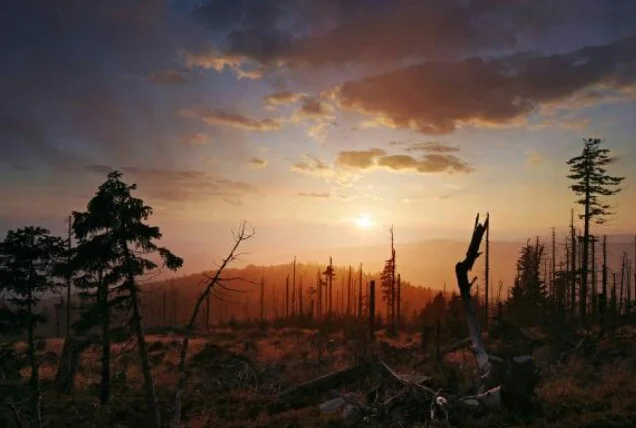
pixel 321 122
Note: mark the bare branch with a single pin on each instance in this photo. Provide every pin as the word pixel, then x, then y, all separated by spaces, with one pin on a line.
pixel 244 233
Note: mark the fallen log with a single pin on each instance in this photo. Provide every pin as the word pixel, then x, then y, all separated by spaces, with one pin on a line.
pixel 327 382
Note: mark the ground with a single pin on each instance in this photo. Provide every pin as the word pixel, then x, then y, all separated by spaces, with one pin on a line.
pixel 235 376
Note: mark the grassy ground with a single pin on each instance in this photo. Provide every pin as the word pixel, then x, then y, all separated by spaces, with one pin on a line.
pixel 235 375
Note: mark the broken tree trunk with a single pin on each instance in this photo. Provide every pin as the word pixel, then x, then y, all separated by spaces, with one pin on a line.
pixel 461 270
pixel 327 382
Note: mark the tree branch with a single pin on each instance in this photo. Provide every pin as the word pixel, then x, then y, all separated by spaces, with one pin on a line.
pixel 243 234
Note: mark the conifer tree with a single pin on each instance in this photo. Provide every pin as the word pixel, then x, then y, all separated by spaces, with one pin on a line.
pixel 588 171
pixel 114 224
pixel 29 258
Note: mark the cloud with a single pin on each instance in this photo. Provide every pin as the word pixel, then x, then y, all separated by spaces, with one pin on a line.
pixel 209 58
pixel 432 147
pixel 359 159
pixel 311 164
pixel 197 139
pixel 93 110
pixel 350 166
pixel 257 163
pixel 284 97
pixel 235 120
pixel 179 185
pixel 315 109
pixel 533 158
pixel 439 97
pixel 314 195
pixel 378 159
pixel 167 77
pixel 326 32
pixel 318 114
pixel 430 163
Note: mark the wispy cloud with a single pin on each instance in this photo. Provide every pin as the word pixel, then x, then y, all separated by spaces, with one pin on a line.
pixel 257 163
pixel 235 120
pixel 167 77
pixel 283 98
pixel 180 185
pixel 314 195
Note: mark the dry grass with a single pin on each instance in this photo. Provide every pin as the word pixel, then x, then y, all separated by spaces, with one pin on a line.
pixel 594 389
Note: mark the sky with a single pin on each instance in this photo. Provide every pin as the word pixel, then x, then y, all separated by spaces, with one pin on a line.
pixel 321 122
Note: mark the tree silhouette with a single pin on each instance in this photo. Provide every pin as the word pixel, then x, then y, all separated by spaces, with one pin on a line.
pixel 28 260
pixel 114 224
pixel 591 181
pixel 93 259
pixel 529 294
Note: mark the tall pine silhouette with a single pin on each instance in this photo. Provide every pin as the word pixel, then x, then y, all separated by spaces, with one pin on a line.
pixel 591 180
pixel 114 223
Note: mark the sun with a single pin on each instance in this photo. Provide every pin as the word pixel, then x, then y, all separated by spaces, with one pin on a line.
pixel 364 221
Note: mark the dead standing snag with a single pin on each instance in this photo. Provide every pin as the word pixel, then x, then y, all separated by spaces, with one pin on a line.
pixel 461 271
pixel 244 233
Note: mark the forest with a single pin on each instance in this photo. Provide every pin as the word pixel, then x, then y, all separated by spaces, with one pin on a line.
pixel 90 337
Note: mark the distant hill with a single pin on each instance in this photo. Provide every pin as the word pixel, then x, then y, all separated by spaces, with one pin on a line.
pixel 431 263
pixel 425 267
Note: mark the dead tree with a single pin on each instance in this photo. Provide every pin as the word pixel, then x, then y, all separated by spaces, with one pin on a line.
pixel 294 292
pixel 603 300
pixel 349 292
pixel 372 310
pixel 300 297
pixel 243 234
pixel 461 270
pixel 360 293
pixel 487 277
pixel 262 301
pixel 573 268
pixel 319 294
pixel 329 276
pixel 398 301
pixel 287 297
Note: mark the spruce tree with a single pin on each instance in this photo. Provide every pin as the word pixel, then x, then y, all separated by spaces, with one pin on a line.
pixel 114 224
pixel 588 171
pixel 28 262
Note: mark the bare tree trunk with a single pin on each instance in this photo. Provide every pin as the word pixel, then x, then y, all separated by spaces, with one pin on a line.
pixel 242 235
pixel 294 293
pixel 461 270
pixel 287 297
pixel 573 270
pixel 34 383
pixel 330 282
pixel 360 293
pixel 149 384
pixel 106 345
pixel 553 276
pixel 586 255
pixel 349 292
pixel 319 295
pixel 68 281
pixel 262 301
pixel 300 297
pixel 603 301
pixel 372 310
pixel 487 277
pixel 594 280
pixel 398 302
pixel 622 290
